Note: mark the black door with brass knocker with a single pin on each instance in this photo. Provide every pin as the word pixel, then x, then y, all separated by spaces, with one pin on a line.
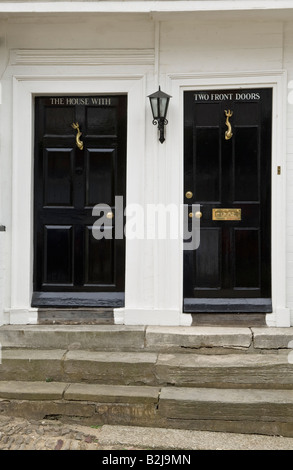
pixel 80 161
pixel 227 168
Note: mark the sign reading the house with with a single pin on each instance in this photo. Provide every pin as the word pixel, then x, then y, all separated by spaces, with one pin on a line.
pixel 229 96
pixel 81 101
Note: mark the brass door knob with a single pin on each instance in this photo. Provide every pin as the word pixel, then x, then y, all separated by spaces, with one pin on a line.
pixel 197 214
pixel 188 194
pixel 109 215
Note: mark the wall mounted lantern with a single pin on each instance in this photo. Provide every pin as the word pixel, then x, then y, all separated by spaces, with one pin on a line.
pixel 159 104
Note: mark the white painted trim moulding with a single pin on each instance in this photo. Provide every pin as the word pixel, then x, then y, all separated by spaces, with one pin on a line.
pixel 143 6
pixel 82 57
pixel 277 79
pixel 25 87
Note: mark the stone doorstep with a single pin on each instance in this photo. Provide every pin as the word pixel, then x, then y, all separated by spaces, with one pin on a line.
pixel 34 363
pixel 264 411
pixel 253 411
pixel 112 394
pixel 227 396
pixel 127 338
pixel 164 338
pixel 90 337
pixel 23 390
pixel 272 338
pixel 225 371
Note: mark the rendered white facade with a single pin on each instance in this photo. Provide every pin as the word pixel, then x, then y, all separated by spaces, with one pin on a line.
pixel 72 48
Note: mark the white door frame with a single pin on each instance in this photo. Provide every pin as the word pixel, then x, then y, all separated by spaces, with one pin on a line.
pixel 24 90
pixel 176 84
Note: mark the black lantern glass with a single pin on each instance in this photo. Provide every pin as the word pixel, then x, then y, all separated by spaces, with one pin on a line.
pixel 159 103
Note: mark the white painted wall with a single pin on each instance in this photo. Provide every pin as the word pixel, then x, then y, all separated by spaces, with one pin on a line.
pixel 176 46
pixel 209 46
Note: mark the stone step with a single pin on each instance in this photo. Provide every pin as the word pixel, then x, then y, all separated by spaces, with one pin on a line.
pixel 247 411
pixel 206 340
pixel 149 368
pixel 90 337
pixel 225 371
pixel 78 366
pixel 83 403
pixel 228 410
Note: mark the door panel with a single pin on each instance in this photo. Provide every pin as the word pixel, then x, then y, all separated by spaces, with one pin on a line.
pixel 233 260
pixel 58 177
pixel 208 260
pixel 57 118
pixel 100 176
pixel 101 124
pixel 58 251
pixel 246 173
pixel 102 272
pixel 247 255
pixel 208 185
pixel 71 267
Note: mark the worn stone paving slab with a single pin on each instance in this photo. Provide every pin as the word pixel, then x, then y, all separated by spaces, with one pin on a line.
pixel 78 365
pixel 122 337
pixel 42 409
pixel 112 394
pixel 251 411
pixel 21 364
pixel 92 337
pixel 31 390
pixel 272 338
pixel 226 404
pixel 110 367
pixel 168 337
pixel 228 395
pixel 232 370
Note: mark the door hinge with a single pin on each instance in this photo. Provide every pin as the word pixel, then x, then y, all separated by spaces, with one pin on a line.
pixel 278 170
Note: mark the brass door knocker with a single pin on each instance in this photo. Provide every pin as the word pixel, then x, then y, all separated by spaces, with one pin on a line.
pixel 228 133
pixel 79 143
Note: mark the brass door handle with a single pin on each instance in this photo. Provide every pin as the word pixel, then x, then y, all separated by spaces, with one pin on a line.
pixel 79 143
pixel 189 194
pixel 109 215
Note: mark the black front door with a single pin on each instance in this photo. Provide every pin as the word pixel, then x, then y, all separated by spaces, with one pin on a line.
pixel 80 161
pixel 227 158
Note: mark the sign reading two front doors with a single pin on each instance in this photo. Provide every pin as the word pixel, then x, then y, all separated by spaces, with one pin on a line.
pixel 80 161
pixel 227 158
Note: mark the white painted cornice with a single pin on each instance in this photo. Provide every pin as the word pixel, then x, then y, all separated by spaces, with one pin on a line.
pixel 142 6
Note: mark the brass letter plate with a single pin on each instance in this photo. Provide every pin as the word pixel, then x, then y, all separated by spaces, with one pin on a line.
pixel 226 214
